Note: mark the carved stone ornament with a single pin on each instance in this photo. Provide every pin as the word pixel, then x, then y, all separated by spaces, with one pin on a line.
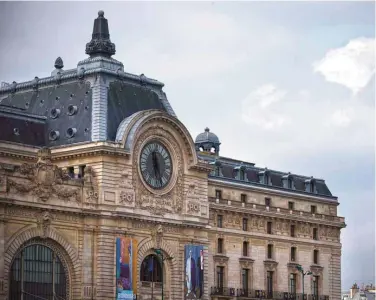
pixel 127 195
pixel 193 207
pixel 157 235
pixel 170 202
pixel 44 221
pixel 44 179
pixel 90 187
pixel 3 183
pixel 270 265
pixel 317 270
pixel 246 262
pixel 220 259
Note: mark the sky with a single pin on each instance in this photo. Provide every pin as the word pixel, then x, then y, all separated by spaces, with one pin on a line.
pixel 286 85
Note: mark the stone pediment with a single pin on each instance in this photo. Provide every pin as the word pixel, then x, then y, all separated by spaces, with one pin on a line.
pixel 270 264
pixel 42 180
pixel 220 258
pixel 316 269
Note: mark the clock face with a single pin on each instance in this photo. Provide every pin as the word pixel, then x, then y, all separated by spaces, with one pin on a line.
pixel 156 165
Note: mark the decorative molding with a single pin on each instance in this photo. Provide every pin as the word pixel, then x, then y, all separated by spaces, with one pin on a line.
pixel 221 259
pixel 44 179
pixel 270 265
pixel 246 262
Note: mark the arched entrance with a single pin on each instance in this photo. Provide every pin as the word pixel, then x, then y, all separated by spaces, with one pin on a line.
pixel 38 273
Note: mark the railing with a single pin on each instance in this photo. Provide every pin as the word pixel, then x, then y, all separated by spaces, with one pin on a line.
pixel 222 291
pixel 262 294
pixel 262 207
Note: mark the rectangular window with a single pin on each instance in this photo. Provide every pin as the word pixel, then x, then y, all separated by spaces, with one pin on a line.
pixel 241 174
pixel 269 227
pixel 293 283
pixel 292 230
pixel 245 248
pixel 70 172
pixel 218 194
pixel 219 221
pixel 315 286
pixel 270 251
pixel 245 224
pixel 314 234
pixel 220 276
pixel 81 171
pixel 267 202
pixel 245 274
pixel 293 254
pixel 313 209
pixel 316 257
pixel 243 198
pixel 269 284
pixel 291 205
pixel 220 246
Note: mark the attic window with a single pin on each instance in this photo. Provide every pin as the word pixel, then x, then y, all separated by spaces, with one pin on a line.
pixel 310 186
pixel 241 174
pixel 265 177
pixel 288 182
pixel 217 171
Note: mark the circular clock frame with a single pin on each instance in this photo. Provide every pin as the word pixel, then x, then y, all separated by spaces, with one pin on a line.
pixel 172 179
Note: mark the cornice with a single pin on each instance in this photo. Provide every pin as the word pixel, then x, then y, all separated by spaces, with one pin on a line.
pixel 88 149
pixel 269 214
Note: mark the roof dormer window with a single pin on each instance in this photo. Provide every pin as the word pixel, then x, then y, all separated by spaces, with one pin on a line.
pixel 264 177
pixel 217 170
pixel 240 173
pixel 310 186
pixel 288 181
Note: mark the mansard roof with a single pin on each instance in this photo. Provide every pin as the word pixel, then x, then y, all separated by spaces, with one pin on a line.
pixel 70 105
pixel 229 173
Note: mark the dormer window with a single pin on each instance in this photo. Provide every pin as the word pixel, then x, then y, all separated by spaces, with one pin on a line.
pixel 288 182
pixel 240 172
pixel 217 171
pixel 310 186
pixel 265 177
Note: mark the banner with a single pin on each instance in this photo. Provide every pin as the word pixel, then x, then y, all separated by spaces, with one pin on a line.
pixel 194 272
pixel 126 268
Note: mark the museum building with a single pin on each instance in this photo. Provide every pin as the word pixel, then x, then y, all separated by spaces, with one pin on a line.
pixel 105 195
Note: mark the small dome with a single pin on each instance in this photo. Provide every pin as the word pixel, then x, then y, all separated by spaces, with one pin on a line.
pixel 207 137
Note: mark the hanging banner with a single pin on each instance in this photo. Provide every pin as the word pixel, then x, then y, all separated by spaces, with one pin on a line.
pixel 126 268
pixel 194 272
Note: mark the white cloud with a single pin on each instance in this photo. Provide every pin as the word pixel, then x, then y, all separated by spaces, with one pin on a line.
pixel 258 107
pixel 342 117
pixel 351 66
pixel 191 43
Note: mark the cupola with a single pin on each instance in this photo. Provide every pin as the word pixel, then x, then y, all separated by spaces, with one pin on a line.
pixel 207 142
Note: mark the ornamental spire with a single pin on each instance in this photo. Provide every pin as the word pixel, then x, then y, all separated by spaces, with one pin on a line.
pixel 100 44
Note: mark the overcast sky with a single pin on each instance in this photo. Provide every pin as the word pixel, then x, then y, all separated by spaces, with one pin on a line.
pixel 286 85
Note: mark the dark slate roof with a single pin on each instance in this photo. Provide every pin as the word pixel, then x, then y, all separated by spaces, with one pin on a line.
pixel 60 106
pixel 65 102
pixel 207 136
pixel 229 171
pixel 124 99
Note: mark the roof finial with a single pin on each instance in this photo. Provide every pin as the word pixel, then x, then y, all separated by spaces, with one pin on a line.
pixel 59 63
pixel 207 129
pixel 100 43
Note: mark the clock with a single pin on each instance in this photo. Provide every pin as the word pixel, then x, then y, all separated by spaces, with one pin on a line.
pixel 156 165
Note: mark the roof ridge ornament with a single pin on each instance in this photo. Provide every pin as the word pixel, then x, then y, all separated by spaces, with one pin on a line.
pixel 59 63
pixel 100 44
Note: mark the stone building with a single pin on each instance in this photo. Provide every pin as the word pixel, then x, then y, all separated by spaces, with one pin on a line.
pixel 99 179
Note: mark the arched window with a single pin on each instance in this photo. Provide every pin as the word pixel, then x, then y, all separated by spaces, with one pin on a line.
pixel 151 269
pixel 40 272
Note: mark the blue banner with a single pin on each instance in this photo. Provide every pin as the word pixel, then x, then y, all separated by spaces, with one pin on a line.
pixel 194 272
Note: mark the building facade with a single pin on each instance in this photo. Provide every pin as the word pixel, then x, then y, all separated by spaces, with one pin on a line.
pixel 105 195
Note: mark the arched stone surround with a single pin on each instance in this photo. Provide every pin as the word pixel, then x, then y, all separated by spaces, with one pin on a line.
pixel 51 238
pixel 171 268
